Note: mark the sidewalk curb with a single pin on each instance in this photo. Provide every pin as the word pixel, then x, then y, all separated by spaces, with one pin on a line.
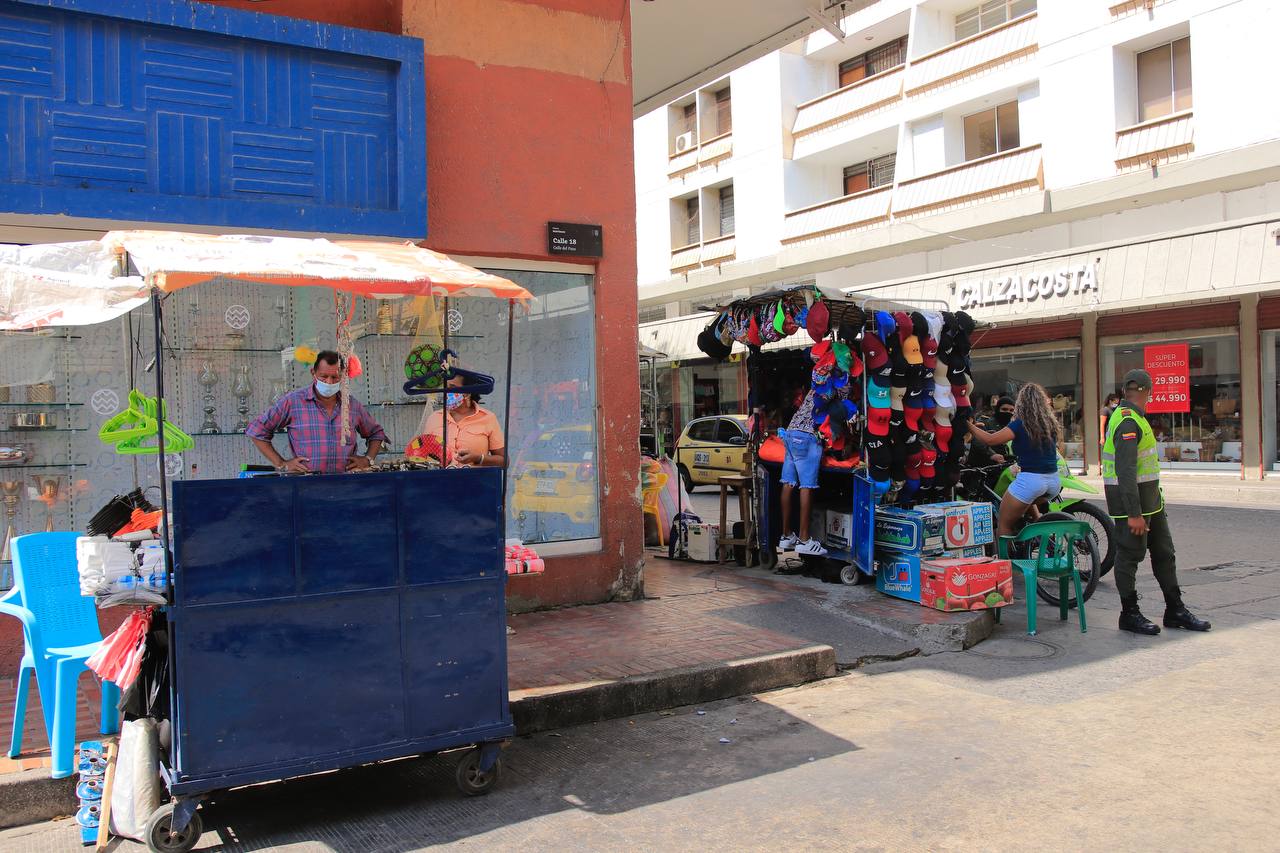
pixel 32 797
pixel 670 689
pixel 962 631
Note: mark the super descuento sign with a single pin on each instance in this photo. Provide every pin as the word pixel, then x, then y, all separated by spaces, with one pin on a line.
pixel 1056 284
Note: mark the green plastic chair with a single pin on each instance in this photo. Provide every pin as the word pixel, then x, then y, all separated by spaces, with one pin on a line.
pixel 1055 558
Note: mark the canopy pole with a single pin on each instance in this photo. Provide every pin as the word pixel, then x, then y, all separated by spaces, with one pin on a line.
pixel 158 324
pixel 444 399
pixel 506 411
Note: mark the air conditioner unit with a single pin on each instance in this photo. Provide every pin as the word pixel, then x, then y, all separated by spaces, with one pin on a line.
pixel 685 141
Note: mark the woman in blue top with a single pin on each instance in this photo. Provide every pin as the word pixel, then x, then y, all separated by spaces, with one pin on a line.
pixel 1034 433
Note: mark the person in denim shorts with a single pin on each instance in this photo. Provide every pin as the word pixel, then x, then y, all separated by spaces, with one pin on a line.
pixel 1034 432
pixel 800 469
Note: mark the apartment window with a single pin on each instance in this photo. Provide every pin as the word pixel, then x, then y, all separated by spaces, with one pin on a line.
pixel 724 112
pixel 993 13
pixel 873 62
pixel 868 175
pixel 991 131
pixel 689 121
pixel 692 221
pixel 1164 80
pixel 726 210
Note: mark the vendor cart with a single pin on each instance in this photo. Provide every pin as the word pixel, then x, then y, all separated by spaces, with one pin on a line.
pixel 317 622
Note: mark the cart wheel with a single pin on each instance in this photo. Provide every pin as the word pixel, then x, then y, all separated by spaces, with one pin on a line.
pixel 472 781
pixel 161 838
pixel 849 575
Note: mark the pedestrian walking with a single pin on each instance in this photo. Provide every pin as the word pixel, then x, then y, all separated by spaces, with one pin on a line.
pixel 1108 406
pixel 1131 480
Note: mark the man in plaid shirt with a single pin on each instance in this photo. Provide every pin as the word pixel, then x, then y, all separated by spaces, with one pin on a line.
pixel 311 415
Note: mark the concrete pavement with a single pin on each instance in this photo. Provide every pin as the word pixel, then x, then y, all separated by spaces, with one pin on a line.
pixel 1099 741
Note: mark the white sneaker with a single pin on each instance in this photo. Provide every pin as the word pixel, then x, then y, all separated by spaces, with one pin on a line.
pixel 811 548
pixel 788 542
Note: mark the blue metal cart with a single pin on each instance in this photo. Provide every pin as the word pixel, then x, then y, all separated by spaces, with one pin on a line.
pixel 325 622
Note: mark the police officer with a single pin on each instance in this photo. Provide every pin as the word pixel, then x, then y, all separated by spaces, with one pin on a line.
pixel 1131 478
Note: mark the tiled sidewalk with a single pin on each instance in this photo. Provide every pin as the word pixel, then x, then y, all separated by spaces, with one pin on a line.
pixel 681 623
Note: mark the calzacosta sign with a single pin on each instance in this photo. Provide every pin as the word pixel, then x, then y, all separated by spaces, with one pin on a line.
pixel 1019 288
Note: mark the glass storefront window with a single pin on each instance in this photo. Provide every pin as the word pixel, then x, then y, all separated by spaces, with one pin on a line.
pixel 1003 372
pixel 1270 400
pixel 552 454
pixel 1208 435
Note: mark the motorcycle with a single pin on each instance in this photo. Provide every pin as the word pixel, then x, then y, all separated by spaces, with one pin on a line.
pixel 990 483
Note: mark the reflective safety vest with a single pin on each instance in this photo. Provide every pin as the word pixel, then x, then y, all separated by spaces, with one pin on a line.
pixel 1149 495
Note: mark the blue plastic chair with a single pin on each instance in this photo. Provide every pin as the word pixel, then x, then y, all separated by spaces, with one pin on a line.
pixel 60 627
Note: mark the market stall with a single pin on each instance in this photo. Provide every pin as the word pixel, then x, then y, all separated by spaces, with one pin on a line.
pixel 307 623
pixel 885 388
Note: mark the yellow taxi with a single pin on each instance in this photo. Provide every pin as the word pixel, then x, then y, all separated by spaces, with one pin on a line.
pixel 556 479
pixel 711 447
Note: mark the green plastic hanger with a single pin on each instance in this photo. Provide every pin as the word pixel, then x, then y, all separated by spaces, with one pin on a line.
pixel 131 423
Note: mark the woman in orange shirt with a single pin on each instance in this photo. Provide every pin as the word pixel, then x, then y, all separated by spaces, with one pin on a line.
pixel 474 437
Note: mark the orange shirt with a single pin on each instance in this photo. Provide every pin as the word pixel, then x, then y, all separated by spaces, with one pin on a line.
pixel 478 433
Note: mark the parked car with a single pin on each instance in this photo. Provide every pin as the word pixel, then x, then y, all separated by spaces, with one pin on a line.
pixel 711 447
pixel 556 483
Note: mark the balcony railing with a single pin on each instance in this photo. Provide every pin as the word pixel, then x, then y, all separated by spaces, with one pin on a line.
pixel 845 104
pixel 1154 142
pixel 837 216
pixel 702 154
pixel 719 250
pixel 686 257
pixel 983 179
pixel 973 55
pixel 1130 7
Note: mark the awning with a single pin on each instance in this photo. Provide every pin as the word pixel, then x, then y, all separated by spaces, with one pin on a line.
pixel 678 338
pixel 76 284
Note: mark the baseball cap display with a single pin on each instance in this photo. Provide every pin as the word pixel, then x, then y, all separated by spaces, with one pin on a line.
pixel 818 323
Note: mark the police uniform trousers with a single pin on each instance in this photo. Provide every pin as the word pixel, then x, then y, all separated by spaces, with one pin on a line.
pixel 1132 550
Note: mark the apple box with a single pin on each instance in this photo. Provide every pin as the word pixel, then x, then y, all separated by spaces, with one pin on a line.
pixel 910 531
pixel 966 583
pixel 966 523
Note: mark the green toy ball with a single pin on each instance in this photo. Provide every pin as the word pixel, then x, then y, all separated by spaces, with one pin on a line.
pixel 424 361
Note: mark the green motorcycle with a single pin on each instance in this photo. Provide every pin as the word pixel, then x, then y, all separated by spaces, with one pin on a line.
pixel 991 482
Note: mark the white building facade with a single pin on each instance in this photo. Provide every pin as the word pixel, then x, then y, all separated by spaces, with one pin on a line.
pixel 1094 181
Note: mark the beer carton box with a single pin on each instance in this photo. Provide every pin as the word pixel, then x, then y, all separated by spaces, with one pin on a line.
pixel 965 523
pixel 900 574
pixel 966 583
pixel 910 531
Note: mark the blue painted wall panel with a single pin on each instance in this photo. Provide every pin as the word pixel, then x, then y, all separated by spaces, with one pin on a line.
pixel 166 111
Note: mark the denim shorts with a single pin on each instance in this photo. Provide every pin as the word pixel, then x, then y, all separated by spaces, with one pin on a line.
pixel 1029 488
pixel 803 459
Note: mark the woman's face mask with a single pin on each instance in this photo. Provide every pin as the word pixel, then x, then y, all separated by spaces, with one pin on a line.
pixel 453 400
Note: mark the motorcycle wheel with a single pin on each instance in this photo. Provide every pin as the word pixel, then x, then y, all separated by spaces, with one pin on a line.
pixel 1104 531
pixel 1088 563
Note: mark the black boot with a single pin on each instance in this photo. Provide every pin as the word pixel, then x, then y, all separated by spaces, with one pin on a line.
pixel 1131 618
pixel 1176 614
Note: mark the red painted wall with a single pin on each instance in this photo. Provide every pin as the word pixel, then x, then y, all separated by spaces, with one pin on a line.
pixel 528 120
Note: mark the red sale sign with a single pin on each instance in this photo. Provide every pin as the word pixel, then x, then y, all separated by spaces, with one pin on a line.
pixel 1170 369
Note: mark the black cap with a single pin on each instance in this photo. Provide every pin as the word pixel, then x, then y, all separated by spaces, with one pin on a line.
pixel 1137 380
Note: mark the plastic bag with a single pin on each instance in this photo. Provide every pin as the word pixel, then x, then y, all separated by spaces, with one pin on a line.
pixel 135 793
pixel 118 657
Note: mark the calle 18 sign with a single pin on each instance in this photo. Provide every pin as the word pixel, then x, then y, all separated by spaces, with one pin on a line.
pixel 1170 369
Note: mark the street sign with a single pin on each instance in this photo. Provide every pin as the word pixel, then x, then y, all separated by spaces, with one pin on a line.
pixel 568 238
pixel 1170 369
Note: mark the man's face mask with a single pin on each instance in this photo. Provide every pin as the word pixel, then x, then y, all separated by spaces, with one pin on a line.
pixel 453 400
pixel 1003 417
pixel 327 389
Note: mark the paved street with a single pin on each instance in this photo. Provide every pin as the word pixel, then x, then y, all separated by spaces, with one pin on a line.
pixel 1102 741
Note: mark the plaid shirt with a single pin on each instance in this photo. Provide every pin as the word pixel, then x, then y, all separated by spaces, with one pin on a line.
pixel 313 434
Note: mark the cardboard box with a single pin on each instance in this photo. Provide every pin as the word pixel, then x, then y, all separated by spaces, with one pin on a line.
pixel 837 530
pixel 899 574
pixel 967 523
pixel 966 583
pixel 910 531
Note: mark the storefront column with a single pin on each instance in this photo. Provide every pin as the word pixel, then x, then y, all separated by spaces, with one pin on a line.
pixel 1251 461
pixel 1092 394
